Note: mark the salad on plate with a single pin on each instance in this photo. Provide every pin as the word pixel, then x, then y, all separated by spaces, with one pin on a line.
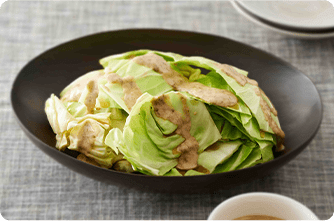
pixel 164 114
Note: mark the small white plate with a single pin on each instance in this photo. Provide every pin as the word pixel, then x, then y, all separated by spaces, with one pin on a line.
pixel 296 34
pixel 260 203
pixel 308 15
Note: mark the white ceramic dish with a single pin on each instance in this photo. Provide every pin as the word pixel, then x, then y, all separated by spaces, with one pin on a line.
pixel 309 15
pixel 260 203
pixel 296 34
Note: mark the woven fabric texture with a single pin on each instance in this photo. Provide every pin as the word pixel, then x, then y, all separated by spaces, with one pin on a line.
pixel 34 186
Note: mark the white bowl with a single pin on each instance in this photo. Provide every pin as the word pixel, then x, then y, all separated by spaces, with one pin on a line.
pixel 294 33
pixel 309 15
pixel 260 203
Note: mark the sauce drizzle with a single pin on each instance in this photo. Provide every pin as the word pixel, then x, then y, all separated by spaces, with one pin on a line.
pixel 86 137
pixel 219 97
pixel 267 110
pixel 74 93
pixel 189 147
pixel 240 78
pixel 93 92
pixel 131 90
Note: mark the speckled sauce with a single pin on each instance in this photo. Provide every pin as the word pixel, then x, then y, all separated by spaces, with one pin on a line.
pixel 93 92
pixel 189 147
pixel 272 109
pixel 219 97
pixel 267 110
pixel 231 72
pixel 86 137
pixel 74 93
pixel 130 88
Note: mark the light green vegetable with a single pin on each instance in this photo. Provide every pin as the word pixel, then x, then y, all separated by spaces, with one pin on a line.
pixel 76 109
pixel 85 134
pixel 92 143
pixel 150 150
pixel 233 162
pixel 222 151
pixel 113 118
pixel 57 114
pixel 123 166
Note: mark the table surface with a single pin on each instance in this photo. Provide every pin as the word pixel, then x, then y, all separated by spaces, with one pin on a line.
pixel 34 186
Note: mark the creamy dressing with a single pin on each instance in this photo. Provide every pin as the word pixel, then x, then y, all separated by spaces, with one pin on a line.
pixel 267 110
pixel 93 92
pixel 86 137
pixel 272 109
pixel 74 93
pixel 189 147
pixel 231 72
pixel 131 90
pixel 219 97
pixel 240 78
pixel 215 96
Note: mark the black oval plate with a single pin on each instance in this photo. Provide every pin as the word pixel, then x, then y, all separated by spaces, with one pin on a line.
pixel 295 97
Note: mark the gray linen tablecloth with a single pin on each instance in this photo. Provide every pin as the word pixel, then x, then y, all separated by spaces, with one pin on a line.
pixel 34 186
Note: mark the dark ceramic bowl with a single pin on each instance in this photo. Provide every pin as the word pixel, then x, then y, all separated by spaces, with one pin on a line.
pixel 293 94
